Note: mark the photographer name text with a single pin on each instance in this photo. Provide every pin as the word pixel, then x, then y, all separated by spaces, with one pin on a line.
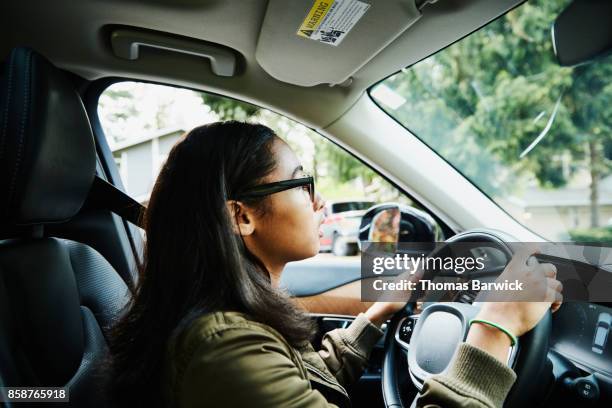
pixel 475 284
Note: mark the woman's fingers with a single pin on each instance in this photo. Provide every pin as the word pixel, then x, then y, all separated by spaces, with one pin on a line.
pixel 550 270
pixel 558 301
pixel 532 261
pixel 554 294
pixel 551 295
pixel 555 284
pixel 525 253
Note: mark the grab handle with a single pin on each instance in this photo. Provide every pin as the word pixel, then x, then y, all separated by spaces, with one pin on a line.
pixel 126 44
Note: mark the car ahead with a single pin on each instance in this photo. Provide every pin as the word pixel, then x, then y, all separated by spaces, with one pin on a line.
pixel 341 226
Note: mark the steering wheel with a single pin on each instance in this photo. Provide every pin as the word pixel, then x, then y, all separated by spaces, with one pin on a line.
pixel 426 343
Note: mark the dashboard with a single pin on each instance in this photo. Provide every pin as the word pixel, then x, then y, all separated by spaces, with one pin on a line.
pixel 581 334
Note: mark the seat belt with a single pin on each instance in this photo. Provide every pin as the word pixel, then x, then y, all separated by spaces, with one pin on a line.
pixel 104 195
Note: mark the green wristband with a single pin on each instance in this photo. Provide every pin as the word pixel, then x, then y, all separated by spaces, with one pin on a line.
pixel 513 339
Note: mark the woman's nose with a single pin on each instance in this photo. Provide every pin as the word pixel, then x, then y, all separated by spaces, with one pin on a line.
pixel 319 202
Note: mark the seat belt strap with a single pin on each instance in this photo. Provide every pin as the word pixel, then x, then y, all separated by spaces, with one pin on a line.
pixel 107 196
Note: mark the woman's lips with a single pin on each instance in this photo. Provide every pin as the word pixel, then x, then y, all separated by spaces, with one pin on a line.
pixel 321 223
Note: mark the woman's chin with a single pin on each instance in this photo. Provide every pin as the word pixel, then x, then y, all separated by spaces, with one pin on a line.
pixel 309 253
pixel 312 253
pixel 316 249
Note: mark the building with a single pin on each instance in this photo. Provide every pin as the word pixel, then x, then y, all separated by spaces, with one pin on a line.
pixel 554 212
pixel 140 159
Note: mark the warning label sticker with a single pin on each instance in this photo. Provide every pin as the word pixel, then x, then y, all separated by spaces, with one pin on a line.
pixel 329 21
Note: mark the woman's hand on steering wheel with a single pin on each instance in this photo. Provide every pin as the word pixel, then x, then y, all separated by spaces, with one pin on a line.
pixel 523 310
pixel 519 315
pixel 381 311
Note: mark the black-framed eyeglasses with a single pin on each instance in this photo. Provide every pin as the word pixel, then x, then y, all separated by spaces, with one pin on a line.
pixel 278 186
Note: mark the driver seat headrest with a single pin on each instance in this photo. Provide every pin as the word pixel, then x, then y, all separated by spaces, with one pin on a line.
pixel 47 150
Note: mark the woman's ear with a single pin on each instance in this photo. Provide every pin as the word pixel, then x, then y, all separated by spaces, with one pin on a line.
pixel 242 218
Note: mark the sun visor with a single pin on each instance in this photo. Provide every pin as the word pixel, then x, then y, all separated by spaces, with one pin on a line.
pixel 312 42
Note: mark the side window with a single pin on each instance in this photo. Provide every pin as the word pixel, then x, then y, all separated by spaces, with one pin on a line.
pixel 143 121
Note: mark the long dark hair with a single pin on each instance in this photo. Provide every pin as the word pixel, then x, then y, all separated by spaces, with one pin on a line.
pixel 193 261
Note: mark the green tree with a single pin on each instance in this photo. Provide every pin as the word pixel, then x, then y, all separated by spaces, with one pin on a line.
pixel 118 106
pixel 229 109
pixel 591 114
pixel 483 101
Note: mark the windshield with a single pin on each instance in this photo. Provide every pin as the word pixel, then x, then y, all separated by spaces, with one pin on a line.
pixel 534 136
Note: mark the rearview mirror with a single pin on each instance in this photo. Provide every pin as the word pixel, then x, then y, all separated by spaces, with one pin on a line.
pixel 394 223
pixel 385 225
pixel 583 32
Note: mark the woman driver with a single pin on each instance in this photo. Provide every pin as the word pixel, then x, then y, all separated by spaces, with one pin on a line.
pixel 208 325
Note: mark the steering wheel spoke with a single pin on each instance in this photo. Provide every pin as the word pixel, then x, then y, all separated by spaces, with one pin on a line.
pixel 438 333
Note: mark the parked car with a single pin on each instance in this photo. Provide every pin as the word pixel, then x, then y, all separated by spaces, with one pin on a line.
pixel 341 226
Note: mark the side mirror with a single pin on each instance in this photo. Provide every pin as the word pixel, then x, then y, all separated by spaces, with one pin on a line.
pixel 583 32
pixel 394 223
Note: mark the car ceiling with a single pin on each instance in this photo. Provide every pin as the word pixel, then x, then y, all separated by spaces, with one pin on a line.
pixel 276 69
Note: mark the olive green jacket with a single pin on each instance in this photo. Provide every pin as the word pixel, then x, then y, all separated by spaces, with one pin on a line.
pixel 226 359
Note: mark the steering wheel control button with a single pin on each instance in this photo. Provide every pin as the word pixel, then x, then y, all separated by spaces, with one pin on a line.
pixel 404 331
pixel 585 387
